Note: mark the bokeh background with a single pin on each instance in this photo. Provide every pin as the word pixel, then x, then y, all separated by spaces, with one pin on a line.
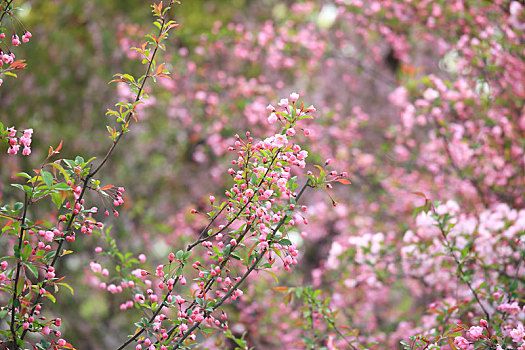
pixel 229 59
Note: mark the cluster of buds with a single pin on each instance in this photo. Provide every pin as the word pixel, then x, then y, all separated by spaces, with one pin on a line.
pixel 15 143
pixel 25 38
pixel 8 57
pixel 115 196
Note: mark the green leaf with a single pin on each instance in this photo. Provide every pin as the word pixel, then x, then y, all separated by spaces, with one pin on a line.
pixel 235 256
pixel 16 252
pixel 57 199
pixel 31 268
pixel 273 275
pixel 19 287
pixel 285 242
pixel 22 187
pixel 513 286
pixel 50 297
pixel 44 344
pixel 68 287
pixel 26 252
pixel 50 255
pixel 62 186
pixel 61 169
pixel 27 176
pixel 186 255
pixel 47 178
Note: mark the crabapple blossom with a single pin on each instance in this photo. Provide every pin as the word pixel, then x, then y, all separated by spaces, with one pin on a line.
pixel 272 118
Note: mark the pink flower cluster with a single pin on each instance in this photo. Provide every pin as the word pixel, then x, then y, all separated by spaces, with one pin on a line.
pixel 9 57
pixel 6 58
pixel 15 143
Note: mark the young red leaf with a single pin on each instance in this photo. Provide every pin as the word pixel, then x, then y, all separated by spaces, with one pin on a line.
pixel 344 181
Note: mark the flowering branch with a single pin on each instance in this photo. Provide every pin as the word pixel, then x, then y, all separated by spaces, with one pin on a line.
pixel 241 280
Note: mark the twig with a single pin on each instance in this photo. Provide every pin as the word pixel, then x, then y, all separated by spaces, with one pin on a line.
pixel 239 282
pixel 97 169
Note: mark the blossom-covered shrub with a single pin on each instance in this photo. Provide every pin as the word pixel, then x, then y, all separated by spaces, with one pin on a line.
pixel 419 102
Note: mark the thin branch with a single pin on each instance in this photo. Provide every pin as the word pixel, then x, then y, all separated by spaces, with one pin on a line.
pixel 17 277
pixel 451 253
pixel 202 239
pixel 5 10
pixel 341 335
pixel 240 281
pixel 197 242
pixel 97 169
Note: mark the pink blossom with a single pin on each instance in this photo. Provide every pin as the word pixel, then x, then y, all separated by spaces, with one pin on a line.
pixel 430 94
pixel 95 267
pixel 512 309
pixel 272 118
pixel 515 8
pixel 26 138
pixel 49 236
pixel 280 140
pixel 294 96
pixel 475 332
pixel 399 96
pixel 13 149
pixel 463 343
pixel 46 330
pixel 15 40
pixel 517 334
pixel 302 155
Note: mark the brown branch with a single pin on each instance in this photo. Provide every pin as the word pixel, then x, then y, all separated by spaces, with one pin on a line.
pixel 97 169
pixel 240 281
